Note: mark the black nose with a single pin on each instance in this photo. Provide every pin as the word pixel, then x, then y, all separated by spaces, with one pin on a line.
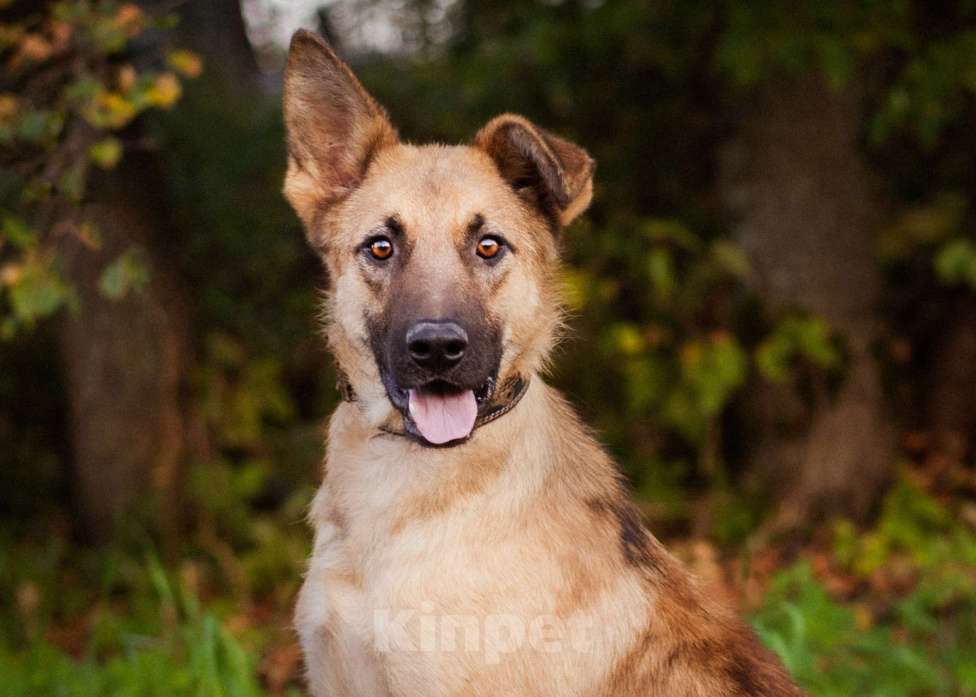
pixel 436 346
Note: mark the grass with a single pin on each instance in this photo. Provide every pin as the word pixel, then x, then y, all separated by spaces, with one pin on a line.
pixel 834 650
pixel 195 655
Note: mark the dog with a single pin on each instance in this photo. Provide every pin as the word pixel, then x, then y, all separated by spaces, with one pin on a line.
pixel 471 536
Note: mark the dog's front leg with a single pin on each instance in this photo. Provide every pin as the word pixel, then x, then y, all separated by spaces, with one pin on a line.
pixel 330 616
pixel 340 661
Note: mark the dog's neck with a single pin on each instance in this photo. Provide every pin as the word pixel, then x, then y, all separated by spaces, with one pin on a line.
pixel 505 398
pixel 372 472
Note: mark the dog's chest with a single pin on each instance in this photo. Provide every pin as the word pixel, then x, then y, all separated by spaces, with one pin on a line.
pixel 454 599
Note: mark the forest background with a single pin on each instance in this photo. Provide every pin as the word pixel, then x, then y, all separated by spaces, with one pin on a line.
pixel 772 309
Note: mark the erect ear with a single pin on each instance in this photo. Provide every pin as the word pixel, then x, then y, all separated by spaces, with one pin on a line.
pixel 334 127
pixel 546 170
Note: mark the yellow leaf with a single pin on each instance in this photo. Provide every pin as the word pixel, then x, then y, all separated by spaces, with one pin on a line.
pixel 120 110
pixel 33 48
pixel 126 78
pixel 60 33
pixel 165 91
pixel 129 19
pixel 9 106
pixel 106 153
pixel 10 274
pixel 109 110
pixel 186 63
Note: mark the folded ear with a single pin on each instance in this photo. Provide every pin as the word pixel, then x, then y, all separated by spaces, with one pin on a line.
pixel 546 170
pixel 334 127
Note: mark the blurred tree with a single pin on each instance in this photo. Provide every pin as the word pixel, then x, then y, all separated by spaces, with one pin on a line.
pixel 126 358
pixel 951 409
pixel 85 237
pixel 808 213
pixel 215 30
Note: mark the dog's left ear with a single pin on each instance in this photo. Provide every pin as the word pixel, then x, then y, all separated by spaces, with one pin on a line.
pixel 551 173
pixel 335 128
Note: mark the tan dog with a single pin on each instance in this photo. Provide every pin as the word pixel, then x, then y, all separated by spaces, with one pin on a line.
pixel 471 537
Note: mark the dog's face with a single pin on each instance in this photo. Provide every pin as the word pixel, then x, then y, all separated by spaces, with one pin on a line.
pixel 441 260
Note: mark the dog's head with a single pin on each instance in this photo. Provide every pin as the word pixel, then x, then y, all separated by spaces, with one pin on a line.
pixel 441 260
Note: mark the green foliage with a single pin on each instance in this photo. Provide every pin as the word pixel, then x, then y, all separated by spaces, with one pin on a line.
pixel 711 371
pixel 932 92
pixel 918 229
pixel 65 89
pixel 240 392
pixel 106 153
pixel 35 290
pixel 245 407
pixel 764 39
pixel 658 281
pixel 912 525
pixel 127 273
pixel 955 263
pixel 932 82
pixel 797 338
pixel 830 654
pixel 920 643
pixel 189 653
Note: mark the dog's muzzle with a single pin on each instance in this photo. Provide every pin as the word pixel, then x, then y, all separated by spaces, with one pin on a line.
pixel 493 402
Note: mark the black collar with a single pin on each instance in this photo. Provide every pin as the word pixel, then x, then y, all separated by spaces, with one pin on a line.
pixel 503 401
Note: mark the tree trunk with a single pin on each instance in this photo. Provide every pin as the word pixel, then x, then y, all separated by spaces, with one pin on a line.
pixel 951 406
pixel 806 216
pixel 125 361
pixel 215 29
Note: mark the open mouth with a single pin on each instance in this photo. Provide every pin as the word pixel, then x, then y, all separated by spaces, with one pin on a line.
pixel 439 412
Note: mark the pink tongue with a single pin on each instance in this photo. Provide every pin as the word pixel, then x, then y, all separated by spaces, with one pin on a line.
pixel 443 417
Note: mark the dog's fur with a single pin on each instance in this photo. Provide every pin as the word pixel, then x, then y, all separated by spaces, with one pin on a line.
pixel 524 526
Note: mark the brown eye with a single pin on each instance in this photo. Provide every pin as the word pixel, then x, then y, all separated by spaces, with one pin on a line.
pixel 488 247
pixel 381 248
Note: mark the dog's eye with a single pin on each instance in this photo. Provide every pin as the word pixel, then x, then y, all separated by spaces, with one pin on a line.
pixel 381 248
pixel 489 247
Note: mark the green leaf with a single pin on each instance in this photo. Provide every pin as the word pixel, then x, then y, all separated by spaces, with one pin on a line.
pixel 671 231
pixel 955 263
pixel 626 338
pixel 16 232
pixel 814 342
pixel 773 358
pixel 39 126
pixel 731 258
pixel 127 273
pixel 72 183
pixel 83 89
pixel 794 338
pixel 38 292
pixel 106 153
pixel 660 270
pixel 711 371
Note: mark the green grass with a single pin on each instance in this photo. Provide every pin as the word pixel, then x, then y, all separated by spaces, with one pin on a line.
pixel 204 662
pixel 914 640
pixel 921 648
pixel 195 656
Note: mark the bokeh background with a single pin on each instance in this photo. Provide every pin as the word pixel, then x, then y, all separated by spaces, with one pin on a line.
pixel 773 316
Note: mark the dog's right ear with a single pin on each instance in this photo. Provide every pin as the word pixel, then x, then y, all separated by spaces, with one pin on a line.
pixel 335 129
